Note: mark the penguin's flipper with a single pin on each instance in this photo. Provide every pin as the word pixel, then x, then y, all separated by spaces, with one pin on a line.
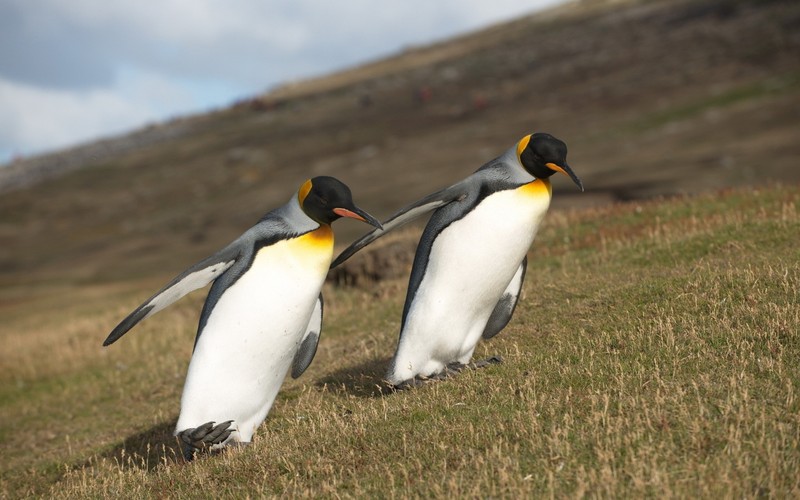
pixel 197 276
pixel 404 215
pixel 507 303
pixel 308 346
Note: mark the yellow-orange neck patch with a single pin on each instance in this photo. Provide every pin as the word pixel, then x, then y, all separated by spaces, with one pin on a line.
pixel 320 237
pixel 312 252
pixel 303 192
pixel 538 187
pixel 521 145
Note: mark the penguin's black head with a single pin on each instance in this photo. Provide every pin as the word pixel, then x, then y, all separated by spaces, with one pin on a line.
pixel 326 199
pixel 543 155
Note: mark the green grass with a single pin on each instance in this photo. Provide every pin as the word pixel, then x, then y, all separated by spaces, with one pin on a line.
pixel 772 87
pixel 655 352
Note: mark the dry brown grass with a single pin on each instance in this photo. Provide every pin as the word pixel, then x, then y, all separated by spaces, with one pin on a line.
pixel 655 352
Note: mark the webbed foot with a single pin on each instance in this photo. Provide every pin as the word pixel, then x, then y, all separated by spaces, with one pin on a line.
pixel 491 360
pixel 454 367
pixel 203 437
pixel 406 384
pixel 450 369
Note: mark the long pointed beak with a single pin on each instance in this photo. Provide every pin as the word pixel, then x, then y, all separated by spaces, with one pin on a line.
pixel 356 213
pixel 566 170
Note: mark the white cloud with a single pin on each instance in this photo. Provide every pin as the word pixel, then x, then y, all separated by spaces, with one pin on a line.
pixel 71 70
pixel 38 119
pixel 187 21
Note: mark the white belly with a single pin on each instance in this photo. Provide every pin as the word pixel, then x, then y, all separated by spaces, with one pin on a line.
pixel 471 263
pixel 252 335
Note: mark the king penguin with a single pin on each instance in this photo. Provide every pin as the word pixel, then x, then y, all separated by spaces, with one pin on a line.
pixel 262 316
pixel 471 259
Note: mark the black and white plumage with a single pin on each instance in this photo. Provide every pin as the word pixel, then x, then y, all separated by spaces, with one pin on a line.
pixel 471 259
pixel 263 314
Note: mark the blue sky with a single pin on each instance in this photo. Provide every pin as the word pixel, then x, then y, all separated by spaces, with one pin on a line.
pixel 77 70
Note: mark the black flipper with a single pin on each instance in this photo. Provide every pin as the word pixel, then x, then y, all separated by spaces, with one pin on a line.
pixel 403 216
pixel 199 438
pixel 197 276
pixel 508 302
pixel 308 346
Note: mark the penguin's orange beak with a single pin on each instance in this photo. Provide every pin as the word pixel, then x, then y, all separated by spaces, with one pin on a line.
pixel 566 170
pixel 358 214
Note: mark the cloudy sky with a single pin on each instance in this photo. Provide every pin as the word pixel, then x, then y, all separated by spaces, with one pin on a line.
pixel 76 70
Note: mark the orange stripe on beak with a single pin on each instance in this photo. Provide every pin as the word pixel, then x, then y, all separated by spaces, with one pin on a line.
pixel 556 168
pixel 343 212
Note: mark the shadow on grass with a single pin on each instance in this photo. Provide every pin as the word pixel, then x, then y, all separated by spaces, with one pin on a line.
pixel 147 449
pixel 156 445
pixel 364 380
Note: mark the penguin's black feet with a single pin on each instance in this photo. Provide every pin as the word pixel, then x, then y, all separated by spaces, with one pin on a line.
pixel 406 384
pixel 454 367
pixel 417 381
pixel 203 437
pixel 491 360
pixel 449 370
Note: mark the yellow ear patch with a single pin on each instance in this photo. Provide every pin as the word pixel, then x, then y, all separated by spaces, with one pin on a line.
pixel 304 190
pixel 521 145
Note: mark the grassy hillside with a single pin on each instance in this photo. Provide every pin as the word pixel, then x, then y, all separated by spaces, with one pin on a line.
pixel 655 351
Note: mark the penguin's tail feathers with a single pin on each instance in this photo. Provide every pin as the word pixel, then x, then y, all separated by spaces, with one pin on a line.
pixel 204 437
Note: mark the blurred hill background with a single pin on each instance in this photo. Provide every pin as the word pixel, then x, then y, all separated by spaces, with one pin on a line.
pixel 654 98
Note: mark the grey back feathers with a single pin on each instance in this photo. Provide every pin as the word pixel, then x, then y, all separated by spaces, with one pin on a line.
pixel 504 172
pixel 450 205
pixel 499 174
pixel 197 276
pixel 407 214
pixel 224 267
